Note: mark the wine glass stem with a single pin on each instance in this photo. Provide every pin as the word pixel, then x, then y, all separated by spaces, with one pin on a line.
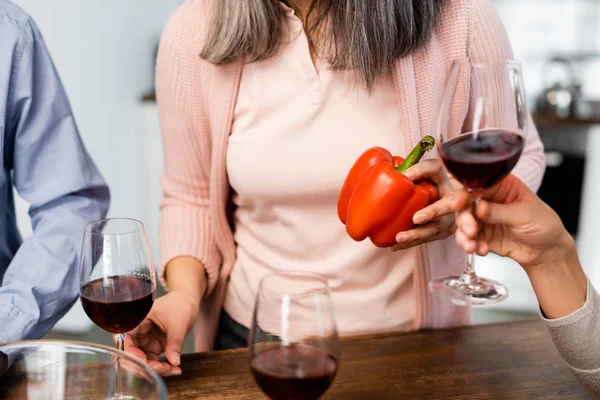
pixel 121 341
pixel 469 274
pixel 118 385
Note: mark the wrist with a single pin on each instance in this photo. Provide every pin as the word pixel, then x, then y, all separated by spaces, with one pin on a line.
pixel 193 296
pixel 187 275
pixel 558 280
pixel 558 254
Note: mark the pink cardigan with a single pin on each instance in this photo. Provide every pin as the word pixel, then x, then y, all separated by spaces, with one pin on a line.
pixel 196 100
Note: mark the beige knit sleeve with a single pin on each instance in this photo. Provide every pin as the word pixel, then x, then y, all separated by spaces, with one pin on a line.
pixel 185 226
pixel 488 42
pixel 577 338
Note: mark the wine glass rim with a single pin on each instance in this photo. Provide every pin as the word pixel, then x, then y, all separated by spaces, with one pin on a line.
pixel 48 343
pixel 312 275
pixel 88 227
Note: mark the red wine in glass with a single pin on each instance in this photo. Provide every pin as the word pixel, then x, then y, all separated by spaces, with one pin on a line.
pixel 481 160
pixel 293 372
pixel 117 304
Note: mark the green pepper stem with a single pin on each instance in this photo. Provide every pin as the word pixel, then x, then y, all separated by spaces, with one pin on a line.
pixel 417 153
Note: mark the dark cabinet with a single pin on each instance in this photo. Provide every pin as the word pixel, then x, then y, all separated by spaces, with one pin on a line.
pixel 562 185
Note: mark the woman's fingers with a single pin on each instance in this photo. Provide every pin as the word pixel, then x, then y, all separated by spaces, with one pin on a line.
pixel 145 327
pixel 465 242
pixel 434 171
pixel 154 345
pixel 437 229
pixel 462 200
pixel 148 342
pixel 444 206
pixel 483 248
pixel 465 222
pixel 162 368
pixel 469 242
pixel 496 214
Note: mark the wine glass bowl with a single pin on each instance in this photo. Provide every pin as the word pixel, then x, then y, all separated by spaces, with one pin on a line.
pixel 117 280
pixel 294 344
pixel 480 150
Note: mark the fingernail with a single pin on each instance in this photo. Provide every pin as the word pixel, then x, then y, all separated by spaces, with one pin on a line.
pixel 409 174
pixel 176 359
pixel 469 230
pixel 401 237
pixel 419 218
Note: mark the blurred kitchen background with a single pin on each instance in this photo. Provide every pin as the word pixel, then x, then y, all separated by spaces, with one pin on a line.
pixel 104 51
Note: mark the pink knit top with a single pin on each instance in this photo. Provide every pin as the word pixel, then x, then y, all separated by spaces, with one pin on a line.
pixel 197 101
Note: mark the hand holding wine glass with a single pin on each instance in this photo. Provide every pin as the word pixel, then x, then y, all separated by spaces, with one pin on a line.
pixel 294 343
pixel 513 222
pixel 481 151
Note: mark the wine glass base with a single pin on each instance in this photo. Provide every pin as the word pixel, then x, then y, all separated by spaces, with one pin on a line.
pixel 464 292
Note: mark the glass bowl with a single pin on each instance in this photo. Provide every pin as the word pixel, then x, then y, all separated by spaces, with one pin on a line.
pixel 59 370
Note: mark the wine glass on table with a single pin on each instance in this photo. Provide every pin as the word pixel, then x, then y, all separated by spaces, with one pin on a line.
pixel 117 279
pixel 480 149
pixel 294 343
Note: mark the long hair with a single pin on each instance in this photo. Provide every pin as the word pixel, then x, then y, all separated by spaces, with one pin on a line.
pixel 363 36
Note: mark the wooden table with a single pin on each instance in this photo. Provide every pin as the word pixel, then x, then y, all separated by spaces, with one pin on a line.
pixel 514 360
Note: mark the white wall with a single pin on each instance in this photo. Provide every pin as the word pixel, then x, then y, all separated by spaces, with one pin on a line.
pixel 104 51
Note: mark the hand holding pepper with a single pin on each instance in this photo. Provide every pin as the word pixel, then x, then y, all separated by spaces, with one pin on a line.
pixel 378 200
pixel 385 196
pixel 436 221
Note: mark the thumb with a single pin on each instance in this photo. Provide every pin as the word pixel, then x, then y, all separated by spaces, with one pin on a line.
pixel 175 339
pixel 496 214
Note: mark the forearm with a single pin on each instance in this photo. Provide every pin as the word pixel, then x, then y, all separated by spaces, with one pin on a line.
pixel 42 281
pixel 187 274
pixel 560 283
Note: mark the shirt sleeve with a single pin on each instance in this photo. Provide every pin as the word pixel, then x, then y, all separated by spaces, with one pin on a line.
pixel 54 173
pixel 488 41
pixel 577 339
pixel 186 226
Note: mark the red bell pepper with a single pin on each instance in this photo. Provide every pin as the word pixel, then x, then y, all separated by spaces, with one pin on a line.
pixel 378 201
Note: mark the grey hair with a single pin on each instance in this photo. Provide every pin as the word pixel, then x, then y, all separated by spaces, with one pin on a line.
pixel 364 36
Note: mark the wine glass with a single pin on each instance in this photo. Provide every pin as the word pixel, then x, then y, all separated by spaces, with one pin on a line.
pixel 117 279
pixel 294 343
pixel 66 370
pixel 480 148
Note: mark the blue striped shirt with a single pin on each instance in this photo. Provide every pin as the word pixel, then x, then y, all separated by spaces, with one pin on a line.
pixel 43 157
